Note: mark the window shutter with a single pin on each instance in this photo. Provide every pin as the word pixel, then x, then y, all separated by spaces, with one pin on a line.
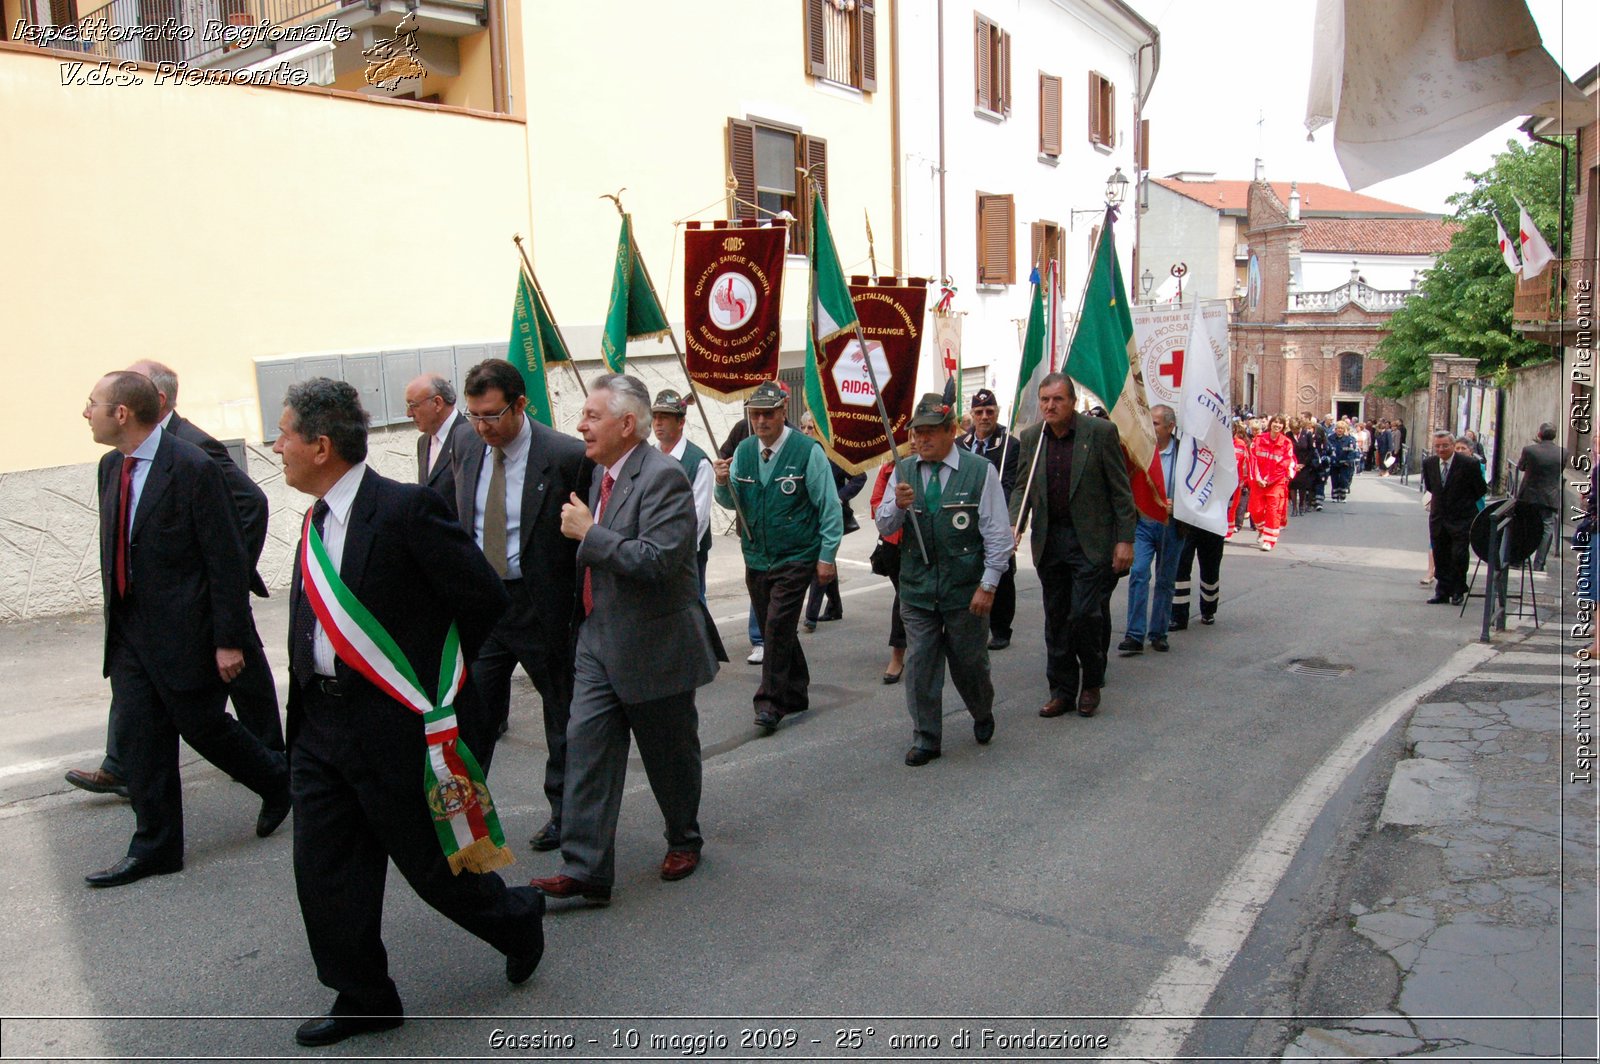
pixel 63 12
pixel 1094 108
pixel 1038 233
pixel 742 165
pixel 1005 71
pixel 1109 108
pixel 1143 146
pixel 869 45
pixel 816 40
pixel 997 250
pixel 1049 115
pixel 816 162
pixel 980 51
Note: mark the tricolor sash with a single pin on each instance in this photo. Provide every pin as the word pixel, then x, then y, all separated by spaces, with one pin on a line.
pixel 463 813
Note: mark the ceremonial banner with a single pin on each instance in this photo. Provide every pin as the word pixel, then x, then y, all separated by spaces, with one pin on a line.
pixel 1025 404
pixel 947 347
pixel 535 341
pixel 634 312
pixel 1206 475
pixel 1162 332
pixel 732 300
pixel 1536 254
pixel 1105 360
pixel 891 316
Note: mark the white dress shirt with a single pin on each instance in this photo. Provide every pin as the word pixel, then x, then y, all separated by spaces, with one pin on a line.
pixel 339 498
pixel 436 445
pixel 516 474
pixel 704 478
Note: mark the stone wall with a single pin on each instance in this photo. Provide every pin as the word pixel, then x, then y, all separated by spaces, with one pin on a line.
pixel 1536 394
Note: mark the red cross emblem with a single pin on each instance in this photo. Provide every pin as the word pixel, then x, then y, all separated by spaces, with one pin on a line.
pixel 1173 369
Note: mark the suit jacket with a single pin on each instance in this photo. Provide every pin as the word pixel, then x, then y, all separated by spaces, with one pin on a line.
pixel 649 629
pixel 457 443
pixel 1541 464
pixel 1456 501
pixel 408 562
pixel 556 468
pixel 189 576
pixel 248 498
pixel 1100 496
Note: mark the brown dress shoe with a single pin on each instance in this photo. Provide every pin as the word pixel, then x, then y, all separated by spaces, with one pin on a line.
pixel 679 864
pixel 1088 701
pixel 1055 707
pixel 567 887
pixel 97 781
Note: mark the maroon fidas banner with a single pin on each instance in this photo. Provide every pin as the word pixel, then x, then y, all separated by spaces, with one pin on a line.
pixel 891 316
pixel 732 294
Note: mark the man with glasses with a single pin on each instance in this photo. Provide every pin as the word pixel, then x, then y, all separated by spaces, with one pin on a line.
pixel 445 434
pixel 791 532
pixel 509 494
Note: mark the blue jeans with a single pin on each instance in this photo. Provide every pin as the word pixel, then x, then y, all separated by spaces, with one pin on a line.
pixel 754 628
pixel 1158 545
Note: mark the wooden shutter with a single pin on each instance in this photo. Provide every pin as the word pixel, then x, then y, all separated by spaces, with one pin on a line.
pixel 742 165
pixel 1003 75
pixel 1094 108
pixel 1049 115
pixel 816 40
pixel 866 14
pixel 981 62
pixel 1108 113
pixel 814 152
pixel 997 249
pixel 1142 147
pixel 1037 233
pixel 63 12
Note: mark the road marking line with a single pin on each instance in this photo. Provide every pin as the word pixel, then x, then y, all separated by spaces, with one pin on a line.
pixel 1174 1002
pixel 23 768
pixel 1545 678
pixel 744 615
pixel 1525 657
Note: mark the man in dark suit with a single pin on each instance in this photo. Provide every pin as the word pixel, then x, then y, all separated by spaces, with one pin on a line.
pixel 1541 463
pixel 509 491
pixel 445 434
pixel 645 644
pixel 1083 528
pixel 253 693
pixel 1454 486
pixel 357 752
pixel 174 578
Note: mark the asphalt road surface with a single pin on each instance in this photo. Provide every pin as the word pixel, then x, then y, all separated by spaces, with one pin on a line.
pixel 847 906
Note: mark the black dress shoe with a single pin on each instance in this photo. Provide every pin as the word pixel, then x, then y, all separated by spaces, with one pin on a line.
pixel 767 722
pixel 999 642
pixel 132 869
pixel 1158 643
pixel 1179 626
pixel 328 1030
pixel 1439 600
pixel 1129 647
pixel 549 836
pixel 832 615
pixel 1456 600
pixel 519 967
pixel 274 811
pixel 983 730
pixel 916 757
pixel 893 677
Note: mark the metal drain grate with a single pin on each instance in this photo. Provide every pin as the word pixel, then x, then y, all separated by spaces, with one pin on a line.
pixel 1318 668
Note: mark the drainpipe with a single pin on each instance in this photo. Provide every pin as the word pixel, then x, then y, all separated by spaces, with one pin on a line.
pixel 944 269
pixel 894 130
pixel 1557 348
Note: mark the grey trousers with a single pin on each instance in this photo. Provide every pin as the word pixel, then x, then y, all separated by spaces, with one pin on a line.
pixel 668 733
pixel 933 637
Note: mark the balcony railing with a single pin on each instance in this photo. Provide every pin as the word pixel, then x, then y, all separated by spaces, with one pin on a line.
pixel 1546 299
pixel 195 32
pixel 1360 293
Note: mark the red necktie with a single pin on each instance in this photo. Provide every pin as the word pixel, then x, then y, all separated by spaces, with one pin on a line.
pixel 124 500
pixel 588 584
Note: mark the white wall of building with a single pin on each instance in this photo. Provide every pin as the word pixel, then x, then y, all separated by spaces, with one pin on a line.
pixel 1324 271
pixel 1065 38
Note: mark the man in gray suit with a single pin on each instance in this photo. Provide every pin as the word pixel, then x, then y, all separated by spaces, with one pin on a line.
pixel 1541 463
pixel 444 434
pixel 645 644
pixel 1083 528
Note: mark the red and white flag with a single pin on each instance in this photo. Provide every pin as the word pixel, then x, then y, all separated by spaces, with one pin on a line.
pixel 1536 254
pixel 1507 252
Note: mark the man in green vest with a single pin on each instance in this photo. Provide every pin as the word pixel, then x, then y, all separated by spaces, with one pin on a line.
pixel 667 415
pixel 955 498
pixel 790 532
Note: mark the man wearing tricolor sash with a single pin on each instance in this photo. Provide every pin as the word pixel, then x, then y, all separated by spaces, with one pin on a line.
pixel 389 603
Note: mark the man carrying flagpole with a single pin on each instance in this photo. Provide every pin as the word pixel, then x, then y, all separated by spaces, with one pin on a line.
pixel 389 604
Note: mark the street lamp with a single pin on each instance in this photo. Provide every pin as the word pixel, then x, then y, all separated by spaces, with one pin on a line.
pixel 1116 188
pixel 1147 281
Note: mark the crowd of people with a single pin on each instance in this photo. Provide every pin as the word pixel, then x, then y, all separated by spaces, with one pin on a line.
pixel 578 559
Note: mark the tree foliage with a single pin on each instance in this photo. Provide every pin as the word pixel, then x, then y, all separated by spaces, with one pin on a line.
pixel 1463 305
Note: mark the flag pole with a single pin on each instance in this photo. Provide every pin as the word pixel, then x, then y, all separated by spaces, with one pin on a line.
pixel 1038 447
pixel 705 418
pixel 866 355
pixel 572 362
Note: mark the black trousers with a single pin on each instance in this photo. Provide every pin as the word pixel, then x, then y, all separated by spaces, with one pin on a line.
pixel 1075 618
pixel 358 804
pixel 777 595
pixel 1005 603
pixel 151 718
pixel 1206 546
pixel 1450 545
pixel 820 592
pixel 253 693
pixel 520 639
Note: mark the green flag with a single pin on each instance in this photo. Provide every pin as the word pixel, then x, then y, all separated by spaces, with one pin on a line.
pixel 1033 364
pixel 831 312
pixel 634 313
pixel 535 341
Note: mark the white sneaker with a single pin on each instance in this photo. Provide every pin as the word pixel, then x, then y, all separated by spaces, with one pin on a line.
pixel 757 656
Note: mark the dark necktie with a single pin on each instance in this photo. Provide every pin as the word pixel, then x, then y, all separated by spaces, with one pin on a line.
pixel 588 585
pixel 766 454
pixel 124 501
pixel 302 662
pixel 494 516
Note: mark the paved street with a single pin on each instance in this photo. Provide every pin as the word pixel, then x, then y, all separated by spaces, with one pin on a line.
pixel 1055 879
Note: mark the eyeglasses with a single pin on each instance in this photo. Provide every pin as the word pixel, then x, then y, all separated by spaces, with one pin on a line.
pixel 90 404
pixel 411 406
pixel 763 413
pixel 477 419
